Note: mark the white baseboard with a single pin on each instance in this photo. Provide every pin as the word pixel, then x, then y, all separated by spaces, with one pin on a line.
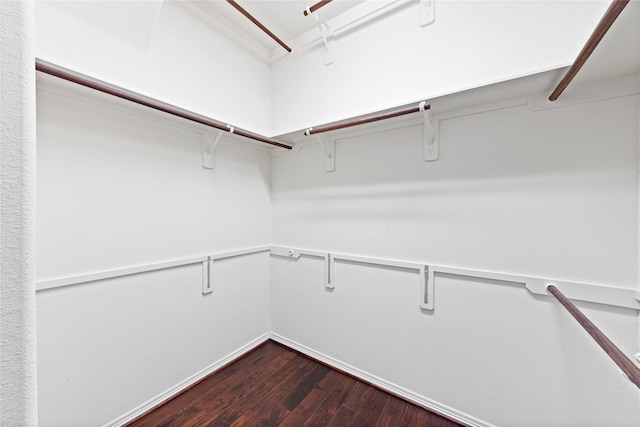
pixel 168 394
pixel 394 389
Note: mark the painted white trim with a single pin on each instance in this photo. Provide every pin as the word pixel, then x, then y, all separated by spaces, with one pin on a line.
pixel 286 252
pixel 600 294
pixel 127 271
pixel 330 361
pixel 388 386
pixel 168 394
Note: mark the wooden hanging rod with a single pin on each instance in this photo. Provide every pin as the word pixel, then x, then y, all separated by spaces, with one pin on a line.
pixel 259 24
pixel 315 7
pixel 369 119
pixel 71 76
pixel 628 367
pixel 601 29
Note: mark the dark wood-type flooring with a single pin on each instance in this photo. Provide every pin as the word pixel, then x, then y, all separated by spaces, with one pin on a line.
pixel 276 386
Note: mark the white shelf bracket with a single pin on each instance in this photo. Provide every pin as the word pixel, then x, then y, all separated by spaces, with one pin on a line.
pixel 431 146
pixel 207 268
pixel 327 37
pixel 329 268
pixel 209 144
pixel 427 12
pixel 329 149
pixel 426 287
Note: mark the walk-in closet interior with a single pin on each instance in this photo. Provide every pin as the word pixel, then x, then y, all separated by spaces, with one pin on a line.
pixel 388 186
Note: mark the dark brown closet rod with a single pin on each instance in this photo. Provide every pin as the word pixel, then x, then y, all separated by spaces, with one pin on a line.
pixel 316 7
pixel 605 23
pixel 623 362
pixel 258 24
pixel 364 120
pixel 77 78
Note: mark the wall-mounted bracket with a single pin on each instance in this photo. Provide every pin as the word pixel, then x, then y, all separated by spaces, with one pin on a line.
pixel 329 269
pixel 427 12
pixel 207 268
pixel 209 143
pixel 327 37
pixel 430 134
pixel 427 282
pixel 329 149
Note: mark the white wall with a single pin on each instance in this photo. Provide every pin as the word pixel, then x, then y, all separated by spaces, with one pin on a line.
pixel 393 61
pixel 18 387
pixel 119 186
pixel 547 194
pixel 159 49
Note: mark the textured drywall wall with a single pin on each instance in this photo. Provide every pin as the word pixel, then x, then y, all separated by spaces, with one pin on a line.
pixel 18 405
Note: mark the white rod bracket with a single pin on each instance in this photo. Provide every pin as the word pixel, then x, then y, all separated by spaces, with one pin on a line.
pixel 329 269
pixel 327 38
pixel 431 146
pixel 329 149
pixel 209 144
pixel 427 12
pixel 207 268
pixel 427 280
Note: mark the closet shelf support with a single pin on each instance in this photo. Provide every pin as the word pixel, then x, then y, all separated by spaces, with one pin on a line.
pixel 427 12
pixel 430 142
pixel 209 144
pixel 207 267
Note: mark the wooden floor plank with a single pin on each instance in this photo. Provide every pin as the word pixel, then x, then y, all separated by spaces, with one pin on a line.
pixel 276 386
pixel 304 387
pixel 358 396
pixel 227 404
pixel 283 385
pixel 417 417
pixel 313 400
pixel 327 409
pixel 392 413
pixel 344 417
pixel 372 408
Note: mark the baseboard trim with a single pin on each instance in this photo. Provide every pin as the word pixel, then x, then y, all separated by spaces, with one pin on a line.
pixel 189 382
pixel 432 405
pixel 389 387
